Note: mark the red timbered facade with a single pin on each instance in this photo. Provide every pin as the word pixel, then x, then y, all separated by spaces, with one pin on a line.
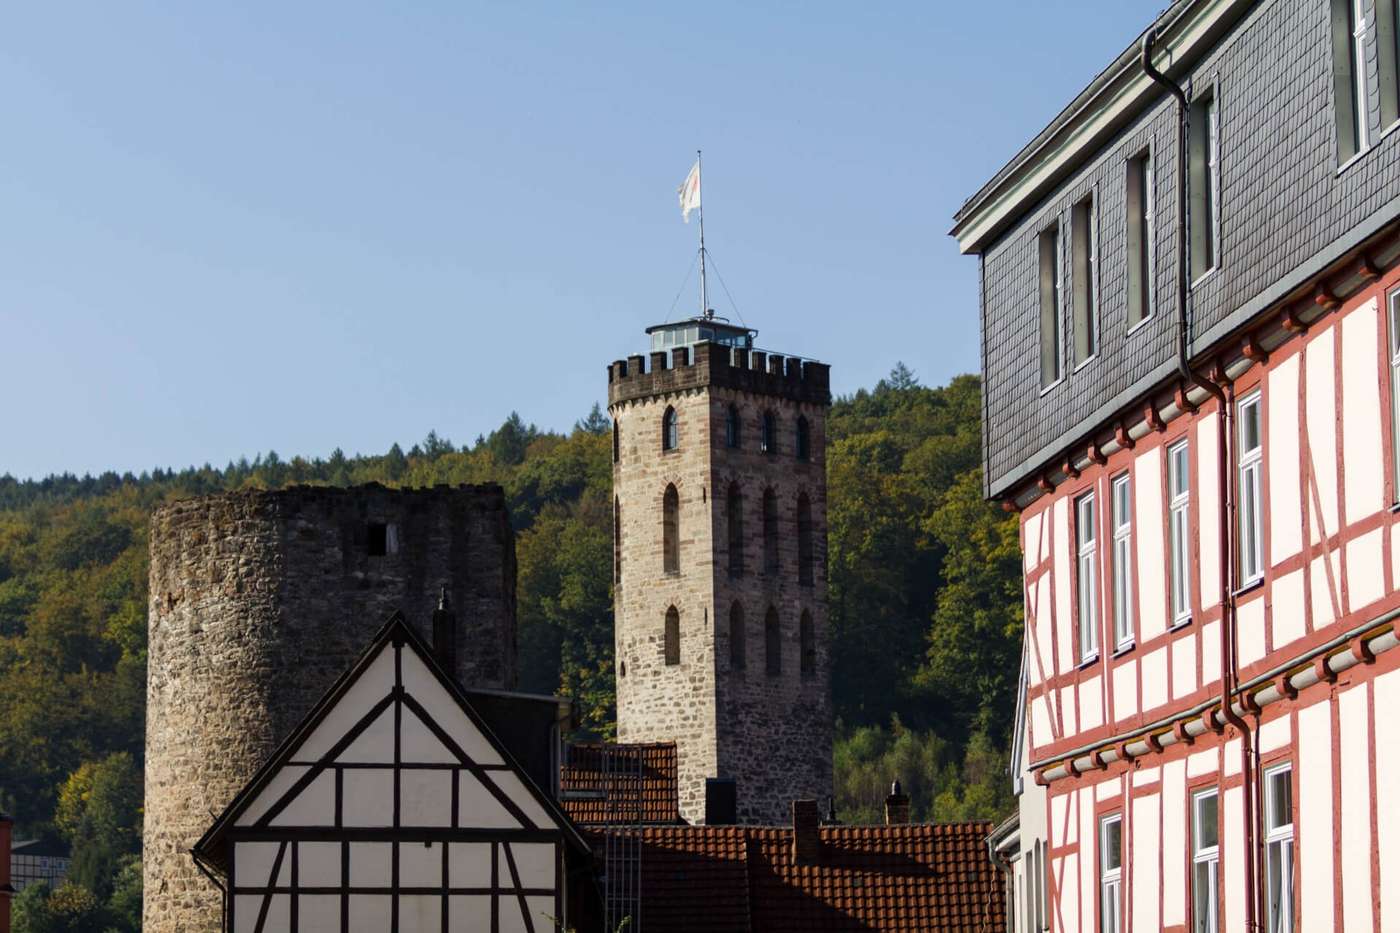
pixel 1204 458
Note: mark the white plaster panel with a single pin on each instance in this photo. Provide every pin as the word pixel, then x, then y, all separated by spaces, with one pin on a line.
pixel 281 782
pixel 443 709
pixel 314 806
pixel 1146 852
pixel 1250 630
pixel 1150 562
pixel 1322 437
pixel 1362 461
pixel 1315 815
pixel 1354 753
pixel 1108 789
pixel 420 866
pixel 318 913
pixel 1090 703
pixel 1067 872
pixel 319 866
pixel 535 862
pixel 1207 498
pixel 514 788
pixel 1154 679
pixel 1039 614
pixel 253 861
pixel 1146 776
pixel 1125 690
pixel 1204 762
pixel 1326 589
pixel 1285 507
pixel 1184 665
pixel 425 797
pixel 479 808
pixel 371 864
pixel 1275 734
pixel 1087 843
pixel 1064 650
pixel 1173 843
pixel 469 864
pixel 1030 534
pixel 418 745
pixel 1387 690
pixel 1365 568
pixel 1289 620
pixel 1040 722
pixel 1067 708
pixel 1059 820
pixel 248 908
pixel 1232 860
pixel 469 908
pixel 375 745
pixel 420 913
pixel 1210 652
pixel 369 913
pixel 1232 758
pixel 368 797
pixel 369 688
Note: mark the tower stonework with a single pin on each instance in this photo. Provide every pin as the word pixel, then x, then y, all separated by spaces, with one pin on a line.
pixel 745 690
pixel 258 602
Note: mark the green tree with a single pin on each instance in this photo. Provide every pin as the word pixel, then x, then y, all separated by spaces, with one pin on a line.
pixel 99 813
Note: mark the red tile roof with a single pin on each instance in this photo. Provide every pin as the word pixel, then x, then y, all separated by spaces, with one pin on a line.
pixel 638 784
pixel 708 879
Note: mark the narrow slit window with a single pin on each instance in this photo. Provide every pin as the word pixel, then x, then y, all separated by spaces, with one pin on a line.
pixel 1204 184
pixel 672 637
pixel 736 638
pixel 671 531
pixel 670 430
pixel 772 644
pixel 1088 581
pixel 1251 470
pixel 769 440
pixel 617 540
pixel 1084 227
pixel 1141 245
pixel 377 541
pixel 734 508
pixel 731 427
pixel 1278 849
pixel 617 444
pixel 804 439
pixel 808 635
pixel 1205 862
pixel 1111 873
pixel 1179 518
pixel 770 532
pixel 804 540
pixel 1122 562
pixel 1052 351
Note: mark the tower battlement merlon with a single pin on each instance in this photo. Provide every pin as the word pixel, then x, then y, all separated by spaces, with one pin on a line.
pixel 707 364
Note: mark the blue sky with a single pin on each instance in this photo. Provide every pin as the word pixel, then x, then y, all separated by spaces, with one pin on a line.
pixel 228 228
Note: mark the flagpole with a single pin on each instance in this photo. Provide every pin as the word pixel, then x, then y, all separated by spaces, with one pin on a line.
pixel 700 208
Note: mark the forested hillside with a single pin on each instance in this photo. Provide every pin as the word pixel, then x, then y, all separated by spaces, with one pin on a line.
pixel 925 610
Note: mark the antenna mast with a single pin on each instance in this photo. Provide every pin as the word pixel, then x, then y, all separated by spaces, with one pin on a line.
pixel 705 311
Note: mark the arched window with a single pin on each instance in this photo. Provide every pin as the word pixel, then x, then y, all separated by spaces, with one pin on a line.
pixel 673 637
pixel 734 512
pixel 804 539
pixel 617 444
pixel 731 427
pixel 617 540
pixel 736 637
pixel 804 439
pixel 808 634
pixel 671 531
pixel 770 433
pixel 670 430
pixel 772 643
pixel 770 531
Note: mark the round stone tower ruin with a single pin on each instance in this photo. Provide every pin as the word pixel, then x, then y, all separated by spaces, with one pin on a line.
pixel 719 473
pixel 258 602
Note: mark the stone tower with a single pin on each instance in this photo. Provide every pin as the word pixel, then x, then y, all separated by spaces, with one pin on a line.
pixel 719 476
pixel 258 602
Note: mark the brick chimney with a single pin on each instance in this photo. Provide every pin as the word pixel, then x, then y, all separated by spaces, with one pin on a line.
pixel 6 890
pixel 806 832
pixel 896 806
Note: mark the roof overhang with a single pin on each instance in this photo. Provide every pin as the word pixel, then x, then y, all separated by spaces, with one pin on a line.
pixel 1121 92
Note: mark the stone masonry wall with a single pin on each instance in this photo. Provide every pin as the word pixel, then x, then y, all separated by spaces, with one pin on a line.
pixel 772 733
pixel 258 602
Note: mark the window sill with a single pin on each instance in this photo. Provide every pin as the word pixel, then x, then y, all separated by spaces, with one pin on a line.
pixel 1354 159
pixel 1395 509
pixel 1249 586
pixel 1179 624
pixel 1045 390
pixel 1140 325
pixel 1204 276
pixel 1083 363
pixel 1124 649
pixel 1088 660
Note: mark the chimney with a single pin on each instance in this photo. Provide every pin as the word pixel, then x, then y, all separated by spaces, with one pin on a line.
pixel 831 819
pixel 444 637
pixel 896 805
pixel 806 832
pixel 6 890
pixel 721 802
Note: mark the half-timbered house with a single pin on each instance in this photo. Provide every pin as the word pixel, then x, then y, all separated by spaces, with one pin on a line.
pixel 393 807
pixel 1191 325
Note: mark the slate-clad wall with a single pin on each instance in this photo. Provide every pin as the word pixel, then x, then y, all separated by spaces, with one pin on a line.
pixel 258 602
pixel 1282 202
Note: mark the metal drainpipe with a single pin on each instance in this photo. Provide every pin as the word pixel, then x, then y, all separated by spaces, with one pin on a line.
pixel 1222 392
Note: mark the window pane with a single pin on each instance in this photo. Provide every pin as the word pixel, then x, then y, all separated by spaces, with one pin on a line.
pixel 1207 830
pixel 1280 799
pixel 1112 844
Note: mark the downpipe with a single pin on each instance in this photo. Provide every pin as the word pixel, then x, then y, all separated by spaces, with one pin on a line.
pixel 1220 389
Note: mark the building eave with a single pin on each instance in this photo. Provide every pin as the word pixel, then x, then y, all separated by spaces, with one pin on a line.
pixel 1186 30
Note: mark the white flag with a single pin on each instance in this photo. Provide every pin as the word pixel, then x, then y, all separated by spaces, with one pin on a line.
pixel 690 192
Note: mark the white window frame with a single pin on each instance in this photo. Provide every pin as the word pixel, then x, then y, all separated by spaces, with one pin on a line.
pixel 1205 859
pixel 1395 395
pixel 1278 846
pixel 1250 491
pixel 1084 218
pixel 1360 96
pixel 1110 879
pixel 1056 235
pixel 1149 229
pixel 1087 564
pixel 1213 176
pixel 1121 497
pixel 1179 532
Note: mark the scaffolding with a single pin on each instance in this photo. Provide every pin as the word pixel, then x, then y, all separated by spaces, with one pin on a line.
pixel 612 775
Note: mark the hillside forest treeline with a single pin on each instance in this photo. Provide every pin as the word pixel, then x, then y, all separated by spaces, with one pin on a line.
pixel 925 616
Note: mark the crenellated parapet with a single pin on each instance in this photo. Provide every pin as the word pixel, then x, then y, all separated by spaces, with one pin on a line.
pixel 711 364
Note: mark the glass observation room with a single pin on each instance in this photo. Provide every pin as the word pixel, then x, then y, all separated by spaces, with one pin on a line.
pixel 696 330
